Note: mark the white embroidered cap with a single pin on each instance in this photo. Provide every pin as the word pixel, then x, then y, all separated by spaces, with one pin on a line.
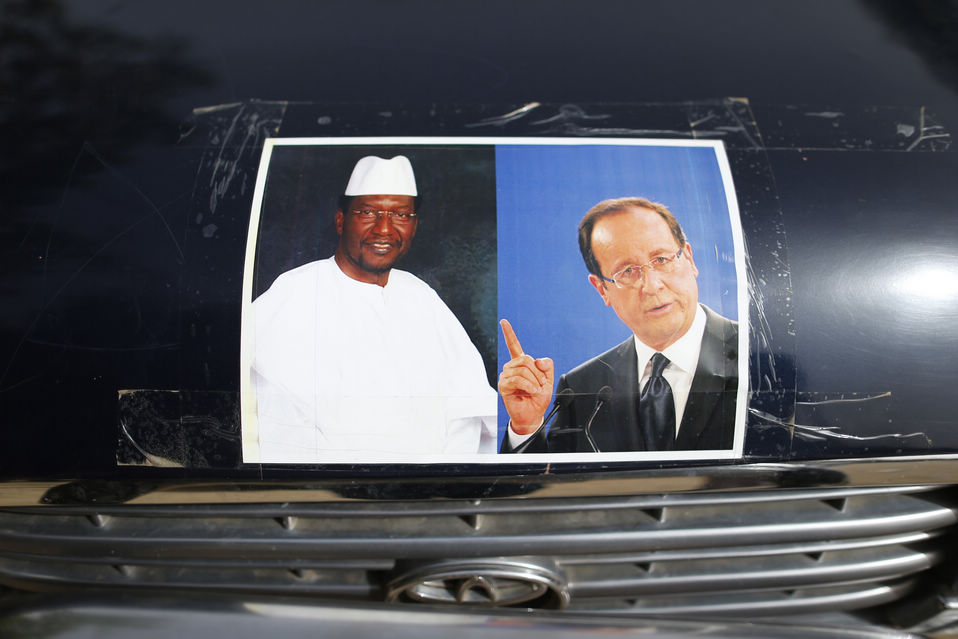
pixel 376 176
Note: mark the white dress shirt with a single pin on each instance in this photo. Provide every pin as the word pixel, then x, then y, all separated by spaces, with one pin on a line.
pixel 683 358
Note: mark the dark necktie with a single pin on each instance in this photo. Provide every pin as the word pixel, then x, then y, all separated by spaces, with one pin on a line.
pixel 657 408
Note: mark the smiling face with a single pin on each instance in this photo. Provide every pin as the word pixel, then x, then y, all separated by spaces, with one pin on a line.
pixel 660 307
pixel 368 249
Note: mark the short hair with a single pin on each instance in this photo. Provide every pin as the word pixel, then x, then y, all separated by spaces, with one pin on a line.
pixel 607 207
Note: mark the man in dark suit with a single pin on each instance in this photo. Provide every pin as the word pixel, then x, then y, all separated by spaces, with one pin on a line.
pixel 671 386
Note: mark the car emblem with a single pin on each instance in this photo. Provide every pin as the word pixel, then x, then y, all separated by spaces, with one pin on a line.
pixel 487 582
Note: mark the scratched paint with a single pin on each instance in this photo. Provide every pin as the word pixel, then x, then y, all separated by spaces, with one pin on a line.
pixel 873 128
pixel 173 429
pixel 785 422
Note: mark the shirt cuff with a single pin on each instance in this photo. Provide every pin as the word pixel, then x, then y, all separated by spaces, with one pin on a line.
pixel 516 440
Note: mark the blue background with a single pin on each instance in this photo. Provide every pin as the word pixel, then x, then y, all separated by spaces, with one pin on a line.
pixel 543 192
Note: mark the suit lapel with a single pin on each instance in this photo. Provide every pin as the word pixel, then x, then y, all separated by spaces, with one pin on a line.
pixel 708 384
pixel 623 431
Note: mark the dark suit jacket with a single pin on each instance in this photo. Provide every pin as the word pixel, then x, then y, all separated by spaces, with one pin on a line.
pixel 707 424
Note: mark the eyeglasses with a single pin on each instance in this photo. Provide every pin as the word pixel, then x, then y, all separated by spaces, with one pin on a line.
pixel 632 274
pixel 399 218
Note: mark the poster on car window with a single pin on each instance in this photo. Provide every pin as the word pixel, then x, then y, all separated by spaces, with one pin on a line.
pixel 493 300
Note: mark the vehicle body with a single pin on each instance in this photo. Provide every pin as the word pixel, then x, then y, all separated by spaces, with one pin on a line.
pixel 132 159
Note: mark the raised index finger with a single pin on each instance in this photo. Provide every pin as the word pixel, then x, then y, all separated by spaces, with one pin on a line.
pixel 512 342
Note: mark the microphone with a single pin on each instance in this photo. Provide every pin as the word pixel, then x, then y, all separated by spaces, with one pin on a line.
pixel 604 395
pixel 562 401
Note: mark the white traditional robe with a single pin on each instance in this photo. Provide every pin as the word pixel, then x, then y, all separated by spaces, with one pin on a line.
pixel 347 371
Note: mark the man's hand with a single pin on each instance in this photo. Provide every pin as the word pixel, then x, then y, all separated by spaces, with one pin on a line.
pixel 525 384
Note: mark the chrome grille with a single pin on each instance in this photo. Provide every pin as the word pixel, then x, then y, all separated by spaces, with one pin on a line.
pixel 738 553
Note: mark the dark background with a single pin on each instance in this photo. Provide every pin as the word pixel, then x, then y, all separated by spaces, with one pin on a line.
pixel 130 132
pixel 454 250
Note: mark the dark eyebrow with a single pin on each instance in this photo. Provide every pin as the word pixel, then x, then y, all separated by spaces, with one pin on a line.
pixel 667 251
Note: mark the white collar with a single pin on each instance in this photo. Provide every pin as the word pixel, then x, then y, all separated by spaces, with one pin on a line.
pixel 360 286
pixel 683 354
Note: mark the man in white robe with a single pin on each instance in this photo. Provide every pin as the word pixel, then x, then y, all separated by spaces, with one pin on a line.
pixel 355 360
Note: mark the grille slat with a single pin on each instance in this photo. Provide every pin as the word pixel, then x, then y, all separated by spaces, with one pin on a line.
pixel 791 572
pixel 698 554
pixel 337 584
pixel 812 547
pixel 539 505
pixel 759 603
pixel 443 535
